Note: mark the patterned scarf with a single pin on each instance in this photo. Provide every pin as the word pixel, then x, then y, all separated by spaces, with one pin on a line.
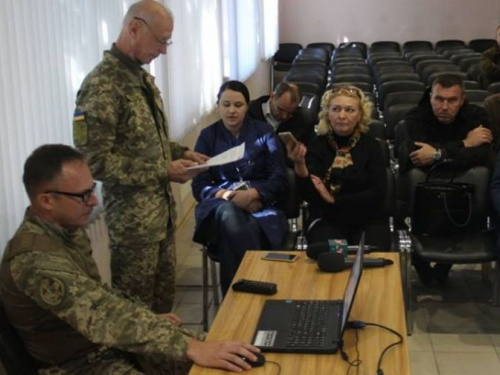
pixel 342 160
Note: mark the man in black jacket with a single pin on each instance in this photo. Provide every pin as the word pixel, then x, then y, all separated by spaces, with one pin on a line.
pixel 443 126
pixel 281 110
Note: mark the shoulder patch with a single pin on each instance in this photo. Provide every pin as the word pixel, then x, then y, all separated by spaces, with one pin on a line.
pixel 52 291
pixel 79 129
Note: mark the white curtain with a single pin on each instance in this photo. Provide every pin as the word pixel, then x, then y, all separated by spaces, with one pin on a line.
pixel 49 46
pixel 250 34
pixel 268 16
pixel 194 71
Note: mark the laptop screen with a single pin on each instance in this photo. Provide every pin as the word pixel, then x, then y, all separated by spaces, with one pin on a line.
pixel 352 283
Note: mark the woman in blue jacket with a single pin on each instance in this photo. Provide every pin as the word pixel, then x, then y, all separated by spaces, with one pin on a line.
pixel 238 202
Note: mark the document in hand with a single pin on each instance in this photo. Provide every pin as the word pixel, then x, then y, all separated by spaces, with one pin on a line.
pixel 229 156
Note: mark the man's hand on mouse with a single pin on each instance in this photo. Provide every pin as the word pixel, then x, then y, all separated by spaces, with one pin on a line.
pixel 226 355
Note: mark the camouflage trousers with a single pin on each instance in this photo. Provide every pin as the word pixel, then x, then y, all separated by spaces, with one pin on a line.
pixel 116 363
pixel 146 272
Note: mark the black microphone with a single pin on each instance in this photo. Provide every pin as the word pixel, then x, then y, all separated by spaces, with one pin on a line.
pixel 335 262
pixel 315 249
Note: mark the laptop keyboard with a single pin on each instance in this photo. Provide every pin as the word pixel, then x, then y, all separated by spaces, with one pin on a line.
pixel 308 327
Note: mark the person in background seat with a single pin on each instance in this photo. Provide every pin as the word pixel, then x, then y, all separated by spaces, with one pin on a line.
pixel 281 110
pixel 443 126
pixel 490 63
pixel 492 106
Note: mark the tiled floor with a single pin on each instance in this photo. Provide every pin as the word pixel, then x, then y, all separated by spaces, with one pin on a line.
pixel 456 331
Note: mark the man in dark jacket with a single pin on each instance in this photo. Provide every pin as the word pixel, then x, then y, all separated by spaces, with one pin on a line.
pixel 281 110
pixel 443 126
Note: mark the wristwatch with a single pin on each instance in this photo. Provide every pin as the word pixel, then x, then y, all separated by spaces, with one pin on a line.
pixel 437 154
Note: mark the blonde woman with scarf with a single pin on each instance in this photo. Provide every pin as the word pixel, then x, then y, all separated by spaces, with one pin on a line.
pixel 342 174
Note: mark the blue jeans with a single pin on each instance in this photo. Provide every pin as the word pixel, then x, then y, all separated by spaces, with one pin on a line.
pixel 237 232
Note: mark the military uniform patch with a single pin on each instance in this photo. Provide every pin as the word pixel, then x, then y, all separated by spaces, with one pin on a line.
pixel 80 135
pixel 52 291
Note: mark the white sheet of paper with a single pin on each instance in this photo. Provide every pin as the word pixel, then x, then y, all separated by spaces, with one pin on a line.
pixel 228 156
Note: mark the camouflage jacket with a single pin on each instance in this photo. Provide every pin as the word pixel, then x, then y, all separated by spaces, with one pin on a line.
pixel 121 127
pixel 54 296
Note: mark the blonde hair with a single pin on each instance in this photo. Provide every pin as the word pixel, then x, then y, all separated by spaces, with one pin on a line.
pixel 365 106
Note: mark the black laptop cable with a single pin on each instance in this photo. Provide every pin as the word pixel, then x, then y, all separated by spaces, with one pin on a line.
pixel 357 362
pixel 277 365
pixel 360 325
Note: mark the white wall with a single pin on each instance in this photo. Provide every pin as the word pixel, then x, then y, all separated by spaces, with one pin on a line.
pixel 307 21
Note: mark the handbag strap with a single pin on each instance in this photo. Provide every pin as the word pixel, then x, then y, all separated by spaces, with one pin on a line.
pixel 440 164
pixel 448 214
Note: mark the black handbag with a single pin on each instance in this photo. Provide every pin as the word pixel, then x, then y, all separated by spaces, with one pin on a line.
pixel 442 207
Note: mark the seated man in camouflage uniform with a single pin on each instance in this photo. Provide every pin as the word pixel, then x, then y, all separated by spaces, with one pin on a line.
pixel 71 322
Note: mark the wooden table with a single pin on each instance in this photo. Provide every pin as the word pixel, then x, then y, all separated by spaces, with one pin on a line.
pixel 379 300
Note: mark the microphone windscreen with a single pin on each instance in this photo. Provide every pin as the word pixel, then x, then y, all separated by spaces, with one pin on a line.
pixel 315 249
pixel 331 262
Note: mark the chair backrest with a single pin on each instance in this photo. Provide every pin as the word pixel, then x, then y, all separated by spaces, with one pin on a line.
pixel 393 115
pixel 363 86
pixel 336 78
pixel 456 51
pixel 361 46
pixel 312 65
pixel 392 69
pixel 443 45
pixel 429 76
pixel 481 45
pixel 385 46
pixel 327 46
pixel 476 96
pixel 417 45
pixel 313 53
pixel 390 193
pixel 347 61
pixel 421 65
pixel 415 58
pixel 400 134
pixel 310 88
pixel 455 59
pixel 376 129
pixel 474 72
pixel 306 76
pixel 287 52
pixel 389 56
pixel 465 63
pixel 402 97
pixel 13 354
pixel 291 202
pixel 356 69
pixel 310 101
pixel 398 86
pixel 386 77
pixel 494 88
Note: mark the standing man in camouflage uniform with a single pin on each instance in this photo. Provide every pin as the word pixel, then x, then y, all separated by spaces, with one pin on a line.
pixel 121 127
pixel 71 322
